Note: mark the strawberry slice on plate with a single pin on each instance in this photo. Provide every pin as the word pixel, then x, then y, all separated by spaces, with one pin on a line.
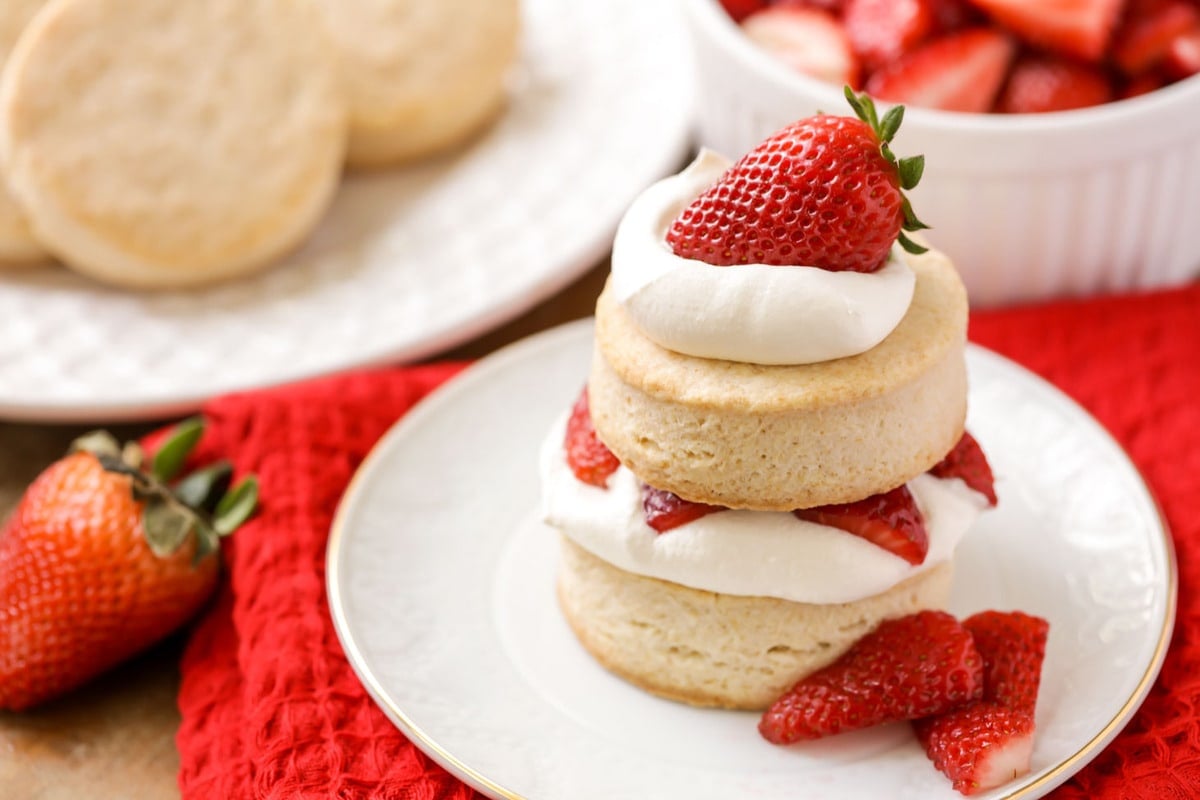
pixel 988 743
pixel 960 72
pixel 890 520
pixel 1013 646
pixel 587 456
pixel 980 746
pixel 808 40
pixel 1040 84
pixel 967 461
pixel 1079 28
pixel 907 668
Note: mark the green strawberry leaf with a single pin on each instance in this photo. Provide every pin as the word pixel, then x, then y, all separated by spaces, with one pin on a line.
pixel 911 170
pixel 170 458
pixel 205 487
pixel 891 123
pixel 910 246
pixel 236 506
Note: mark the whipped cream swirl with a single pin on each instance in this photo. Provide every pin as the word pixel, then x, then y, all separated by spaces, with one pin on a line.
pixel 756 553
pixel 753 313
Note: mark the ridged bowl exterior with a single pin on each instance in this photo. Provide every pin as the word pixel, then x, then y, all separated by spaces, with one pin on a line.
pixel 1028 206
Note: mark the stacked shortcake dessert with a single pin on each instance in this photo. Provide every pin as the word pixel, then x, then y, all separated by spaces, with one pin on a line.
pixel 769 456
pixel 762 486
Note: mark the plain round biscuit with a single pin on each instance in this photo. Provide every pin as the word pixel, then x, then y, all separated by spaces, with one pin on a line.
pixel 167 144
pixel 709 649
pixel 420 76
pixel 779 438
pixel 17 243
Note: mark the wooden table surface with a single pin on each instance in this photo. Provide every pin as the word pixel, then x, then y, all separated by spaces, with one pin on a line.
pixel 115 738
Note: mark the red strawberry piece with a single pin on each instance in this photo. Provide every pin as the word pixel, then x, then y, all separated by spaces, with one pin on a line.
pixel 967 461
pixel 890 520
pixel 1145 40
pixel 880 31
pixel 665 510
pixel 808 40
pixel 740 9
pixel 1141 84
pixel 1079 28
pixel 832 6
pixel 954 15
pixel 1039 84
pixel 587 456
pixel 825 191
pixel 979 746
pixel 907 668
pixel 960 72
pixel 1012 645
pixel 989 742
pixel 1183 56
pixel 100 559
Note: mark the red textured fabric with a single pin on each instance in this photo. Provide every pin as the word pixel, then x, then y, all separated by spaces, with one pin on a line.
pixel 271 709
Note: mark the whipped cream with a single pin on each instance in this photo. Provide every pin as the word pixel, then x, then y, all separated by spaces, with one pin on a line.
pixel 757 553
pixel 753 313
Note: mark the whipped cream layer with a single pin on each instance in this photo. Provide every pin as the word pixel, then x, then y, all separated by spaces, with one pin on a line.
pixel 753 313
pixel 756 553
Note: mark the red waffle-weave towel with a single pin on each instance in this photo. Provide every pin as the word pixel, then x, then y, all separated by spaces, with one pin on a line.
pixel 271 709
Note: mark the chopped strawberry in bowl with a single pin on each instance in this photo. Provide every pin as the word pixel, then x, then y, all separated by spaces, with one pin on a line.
pixel 1046 125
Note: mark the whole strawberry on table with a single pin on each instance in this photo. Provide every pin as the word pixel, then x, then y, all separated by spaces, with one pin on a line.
pixel 106 553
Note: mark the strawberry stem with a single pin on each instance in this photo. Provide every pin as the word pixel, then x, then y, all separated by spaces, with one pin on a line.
pixel 909 169
pixel 200 506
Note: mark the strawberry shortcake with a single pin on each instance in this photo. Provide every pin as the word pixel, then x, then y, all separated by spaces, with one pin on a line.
pixel 769 458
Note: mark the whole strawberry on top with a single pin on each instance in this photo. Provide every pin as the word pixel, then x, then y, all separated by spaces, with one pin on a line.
pixel 825 191
pixel 101 558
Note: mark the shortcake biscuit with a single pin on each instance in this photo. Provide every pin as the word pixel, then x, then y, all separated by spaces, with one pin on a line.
pixel 420 76
pixel 165 144
pixel 785 437
pixel 17 243
pixel 711 649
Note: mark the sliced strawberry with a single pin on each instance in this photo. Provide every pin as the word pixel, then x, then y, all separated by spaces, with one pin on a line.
pixel 740 9
pixel 960 72
pixel 1079 28
pixel 1012 645
pixel 967 461
pixel 1183 56
pixel 832 6
pixel 808 40
pixel 1141 84
pixel 907 668
pixel 1040 84
pixel 665 510
pixel 989 742
pixel 954 15
pixel 880 31
pixel 890 520
pixel 979 746
pixel 825 191
pixel 589 458
pixel 1146 38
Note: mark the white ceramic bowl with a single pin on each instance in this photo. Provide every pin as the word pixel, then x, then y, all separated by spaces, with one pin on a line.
pixel 1028 206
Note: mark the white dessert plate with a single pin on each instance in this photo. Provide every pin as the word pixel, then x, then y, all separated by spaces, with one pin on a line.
pixel 407 262
pixel 441 584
